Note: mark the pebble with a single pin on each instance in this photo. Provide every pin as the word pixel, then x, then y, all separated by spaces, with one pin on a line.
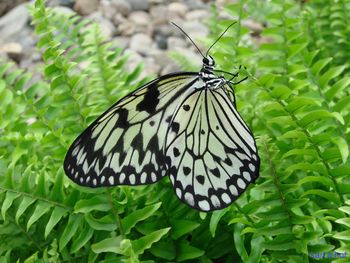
pixel 141 43
pixel 106 25
pixel 13 25
pixel 197 15
pixel 159 14
pixel 140 18
pixel 177 9
pixel 13 50
pixel 86 7
pixel 139 5
pixel 175 42
pixel 140 27
pixel 123 7
pixel 195 29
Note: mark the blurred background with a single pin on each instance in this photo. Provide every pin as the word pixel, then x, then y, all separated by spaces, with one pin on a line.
pixel 141 27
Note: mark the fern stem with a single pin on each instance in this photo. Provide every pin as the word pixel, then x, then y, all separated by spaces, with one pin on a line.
pixel 115 214
pixel 54 203
pixel 25 233
pixel 277 183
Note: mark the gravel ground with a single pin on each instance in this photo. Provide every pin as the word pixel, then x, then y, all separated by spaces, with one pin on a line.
pixel 141 27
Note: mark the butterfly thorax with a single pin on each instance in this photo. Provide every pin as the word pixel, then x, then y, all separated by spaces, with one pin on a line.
pixel 211 80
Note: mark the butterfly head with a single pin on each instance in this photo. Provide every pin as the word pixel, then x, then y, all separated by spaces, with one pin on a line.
pixel 208 64
pixel 208 61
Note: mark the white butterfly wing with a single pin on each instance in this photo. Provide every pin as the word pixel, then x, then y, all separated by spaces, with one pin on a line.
pixel 124 146
pixel 212 156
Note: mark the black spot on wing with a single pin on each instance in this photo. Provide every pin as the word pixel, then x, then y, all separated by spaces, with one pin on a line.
pixel 187 170
pixel 200 179
pixel 216 172
pixel 123 118
pixel 150 100
pixel 176 152
pixel 186 107
pixel 175 127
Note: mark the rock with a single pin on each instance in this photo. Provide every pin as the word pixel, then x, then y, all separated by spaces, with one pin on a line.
pixel 111 8
pixel 118 19
pixel 67 3
pixel 165 30
pixel 141 43
pixel 196 4
pixel 140 18
pixel 14 25
pixel 197 15
pixel 139 5
pixel 107 26
pixel 175 42
pixel 107 9
pixel 86 7
pixel 177 10
pixel 161 41
pixel 126 28
pixel 13 51
pixel 123 7
pixel 155 12
pixel 195 29
pixel 6 5
pixel 253 25
pixel 63 10
pixel 122 42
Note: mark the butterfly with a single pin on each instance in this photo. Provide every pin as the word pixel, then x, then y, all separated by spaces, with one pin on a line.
pixel 183 125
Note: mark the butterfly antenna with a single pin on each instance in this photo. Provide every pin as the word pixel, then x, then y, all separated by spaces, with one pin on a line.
pixel 222 34
pixel 188 38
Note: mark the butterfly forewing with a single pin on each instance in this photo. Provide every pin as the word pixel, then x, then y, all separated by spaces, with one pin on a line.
pixel 211 157
pixel 124 146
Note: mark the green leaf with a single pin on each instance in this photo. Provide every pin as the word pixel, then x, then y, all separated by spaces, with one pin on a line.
pixel 106 223
pixel 239 239
pixel 327 195
pixel 344 235
pixel 215 219
pixel 338 87
pixel 331 74
pixel 319 65
pixel 41 209
pixel 132 219
pixel 56 215
pixel 108 245
pixel 82 239
pixel 6 204
pixel 165 250
pixel 145 242
pixel 343 147
pixel 96 203
pixel 25 203
pixel 180 227
pixel 315 115
pixel 70 230
pixel 299 102
pixel 187 252
pixel 301 152
pixel 343 221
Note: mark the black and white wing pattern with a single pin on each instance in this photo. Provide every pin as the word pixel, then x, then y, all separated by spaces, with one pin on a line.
pixel 211 156
pixel 184 125
pixel 125 145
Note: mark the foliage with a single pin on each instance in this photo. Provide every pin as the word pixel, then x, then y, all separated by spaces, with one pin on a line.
pixel 296 101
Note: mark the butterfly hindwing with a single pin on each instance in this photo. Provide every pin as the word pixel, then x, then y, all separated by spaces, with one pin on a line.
pixel 124 146
pixel 212 156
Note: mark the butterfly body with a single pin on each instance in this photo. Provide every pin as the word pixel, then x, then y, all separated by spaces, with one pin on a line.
pixel 184 125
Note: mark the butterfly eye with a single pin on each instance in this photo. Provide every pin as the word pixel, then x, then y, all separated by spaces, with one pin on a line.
pixel 205 61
